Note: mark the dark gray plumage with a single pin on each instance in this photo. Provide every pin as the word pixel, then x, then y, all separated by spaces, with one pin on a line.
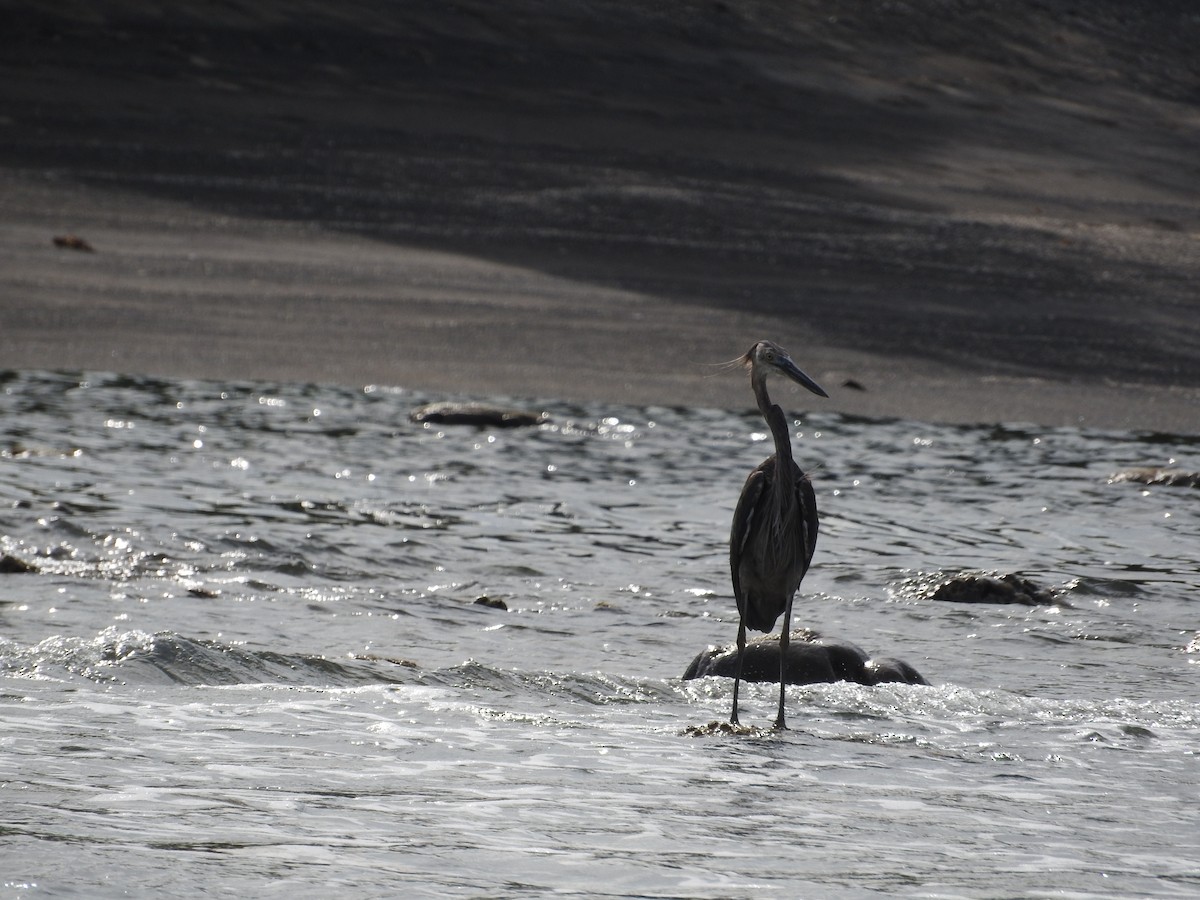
pixel 774 529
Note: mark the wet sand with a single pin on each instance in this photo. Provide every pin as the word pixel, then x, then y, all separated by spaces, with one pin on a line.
pixel 972 216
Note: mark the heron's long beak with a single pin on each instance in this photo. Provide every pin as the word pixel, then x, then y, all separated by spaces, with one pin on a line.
pixel 792 371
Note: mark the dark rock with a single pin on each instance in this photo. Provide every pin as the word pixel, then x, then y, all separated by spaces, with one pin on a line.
pixel 723 727
pixel 493 602
pixel 394 660
pixel 810 660
pixel 983 588
pixel 1172 477
pixel 451 413
pixel 889 670
pixel 10 565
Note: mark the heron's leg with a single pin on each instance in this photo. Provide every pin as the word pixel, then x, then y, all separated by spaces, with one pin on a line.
pixel 784 635
pixel 737 675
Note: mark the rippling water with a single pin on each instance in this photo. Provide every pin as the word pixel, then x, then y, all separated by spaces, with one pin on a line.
pixel 248 657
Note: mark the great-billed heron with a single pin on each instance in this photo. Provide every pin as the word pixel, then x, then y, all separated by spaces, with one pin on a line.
pixel 774 529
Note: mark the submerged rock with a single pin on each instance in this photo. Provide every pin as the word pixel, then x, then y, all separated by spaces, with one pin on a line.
pixel 723 727
pixel 810 660
pixel 1172 477
pixel 453 413
pixel 11 565
pixel 492 602
pixel 985 588
pixel 394 660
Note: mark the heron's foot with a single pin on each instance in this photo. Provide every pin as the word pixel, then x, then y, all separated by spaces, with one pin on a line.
pixel 780 725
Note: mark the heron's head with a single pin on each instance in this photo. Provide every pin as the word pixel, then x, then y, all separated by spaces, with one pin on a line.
pixel 766 358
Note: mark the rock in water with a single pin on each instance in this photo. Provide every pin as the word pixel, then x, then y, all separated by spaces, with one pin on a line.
pixel 1171 477
pixel 452 413
pixel 11 565
pixel 810 660
pixel 983 588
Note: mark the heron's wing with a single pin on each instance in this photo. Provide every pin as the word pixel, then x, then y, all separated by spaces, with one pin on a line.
pixel 806 501
pixel 743 521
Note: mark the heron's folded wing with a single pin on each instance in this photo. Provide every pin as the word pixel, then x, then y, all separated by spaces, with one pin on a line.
pixel 807 501
pixel 743 521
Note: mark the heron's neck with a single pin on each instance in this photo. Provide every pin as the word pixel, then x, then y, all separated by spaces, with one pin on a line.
pixel 778 425
pixel 783 439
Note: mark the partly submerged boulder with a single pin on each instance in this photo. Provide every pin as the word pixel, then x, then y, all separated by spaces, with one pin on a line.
pixel 452 413
pixel 11 565
pixel 1172 477
pixel 981 587
pixel 810 660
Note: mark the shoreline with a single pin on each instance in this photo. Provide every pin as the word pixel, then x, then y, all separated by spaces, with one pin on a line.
pixel 456 336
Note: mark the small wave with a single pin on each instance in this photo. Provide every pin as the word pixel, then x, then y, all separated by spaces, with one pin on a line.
pixel 166 658
pixel 123 657
pixel 67 658
pixel 592 688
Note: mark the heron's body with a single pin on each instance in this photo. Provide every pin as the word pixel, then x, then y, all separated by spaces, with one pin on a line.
pixel 775 525
pixel 768 564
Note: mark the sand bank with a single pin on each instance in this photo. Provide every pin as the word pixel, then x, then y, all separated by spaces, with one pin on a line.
pixel 965 216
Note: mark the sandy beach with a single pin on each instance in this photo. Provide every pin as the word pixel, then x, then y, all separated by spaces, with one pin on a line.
pixel 947 211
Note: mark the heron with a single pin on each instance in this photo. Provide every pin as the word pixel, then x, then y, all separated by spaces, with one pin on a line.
pixel 774 529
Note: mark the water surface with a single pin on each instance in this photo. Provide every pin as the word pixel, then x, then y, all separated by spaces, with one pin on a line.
pixel 249 657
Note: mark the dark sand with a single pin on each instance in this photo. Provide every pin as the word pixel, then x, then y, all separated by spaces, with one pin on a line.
pixel 978 212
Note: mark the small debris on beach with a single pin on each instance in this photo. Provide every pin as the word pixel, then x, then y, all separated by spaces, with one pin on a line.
pixel 73 242
pixel 453 413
